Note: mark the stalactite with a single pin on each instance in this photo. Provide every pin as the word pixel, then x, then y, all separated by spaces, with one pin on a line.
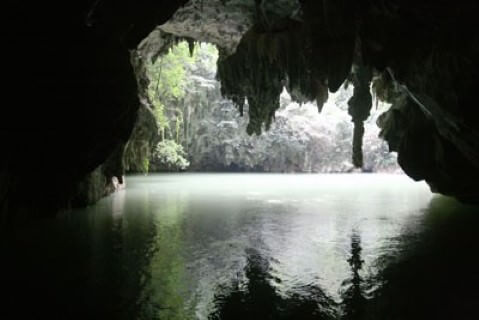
pixel 360 105
pixel 304 56
pixel 191 46
pixel 358 144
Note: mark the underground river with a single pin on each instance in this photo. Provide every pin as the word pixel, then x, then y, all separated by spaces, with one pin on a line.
pixel 250 246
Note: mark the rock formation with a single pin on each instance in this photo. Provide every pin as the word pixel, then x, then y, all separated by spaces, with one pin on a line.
pixel 72 95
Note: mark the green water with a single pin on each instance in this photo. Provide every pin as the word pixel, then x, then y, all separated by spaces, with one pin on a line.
pixel 254 246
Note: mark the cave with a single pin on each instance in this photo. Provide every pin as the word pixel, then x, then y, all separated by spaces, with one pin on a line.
pixel 76 118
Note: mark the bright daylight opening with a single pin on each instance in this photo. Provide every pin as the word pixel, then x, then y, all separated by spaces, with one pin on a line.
pixel 199 130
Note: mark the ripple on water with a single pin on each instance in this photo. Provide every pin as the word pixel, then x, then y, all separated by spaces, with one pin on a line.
pixel 255 246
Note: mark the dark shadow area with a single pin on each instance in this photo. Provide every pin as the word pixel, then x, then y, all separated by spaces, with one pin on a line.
pixel 436 274
pixel 93 267
pixel 259 299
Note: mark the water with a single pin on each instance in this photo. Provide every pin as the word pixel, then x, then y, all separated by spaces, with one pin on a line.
pixel 250 246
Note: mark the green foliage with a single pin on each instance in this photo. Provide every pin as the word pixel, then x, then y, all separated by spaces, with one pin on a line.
pixel 177 85
pixel 168 74
pixel 145 165
pixel 170 81
pixel 171 155
pixel 161 118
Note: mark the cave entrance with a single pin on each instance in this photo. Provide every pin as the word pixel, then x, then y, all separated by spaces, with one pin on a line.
pixel 185 124
pixel 240 246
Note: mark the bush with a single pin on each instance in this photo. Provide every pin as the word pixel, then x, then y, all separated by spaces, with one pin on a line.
pixel 171 156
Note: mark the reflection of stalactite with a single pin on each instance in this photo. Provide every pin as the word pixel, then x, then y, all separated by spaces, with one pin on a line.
pixel 353 297
pixel 259 299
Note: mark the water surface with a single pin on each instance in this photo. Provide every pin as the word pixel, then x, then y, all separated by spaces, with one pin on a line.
pixel 257 246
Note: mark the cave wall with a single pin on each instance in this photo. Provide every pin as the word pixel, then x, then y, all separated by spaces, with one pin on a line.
pixel 429 52
pixel 69 96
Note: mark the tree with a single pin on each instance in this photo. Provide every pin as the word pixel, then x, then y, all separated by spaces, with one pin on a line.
pixel 168 82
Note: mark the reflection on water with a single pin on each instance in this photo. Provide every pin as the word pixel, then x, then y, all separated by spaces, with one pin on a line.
pixel 354 300
pixel 259 299
pixel 249 246
pixel 436 273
